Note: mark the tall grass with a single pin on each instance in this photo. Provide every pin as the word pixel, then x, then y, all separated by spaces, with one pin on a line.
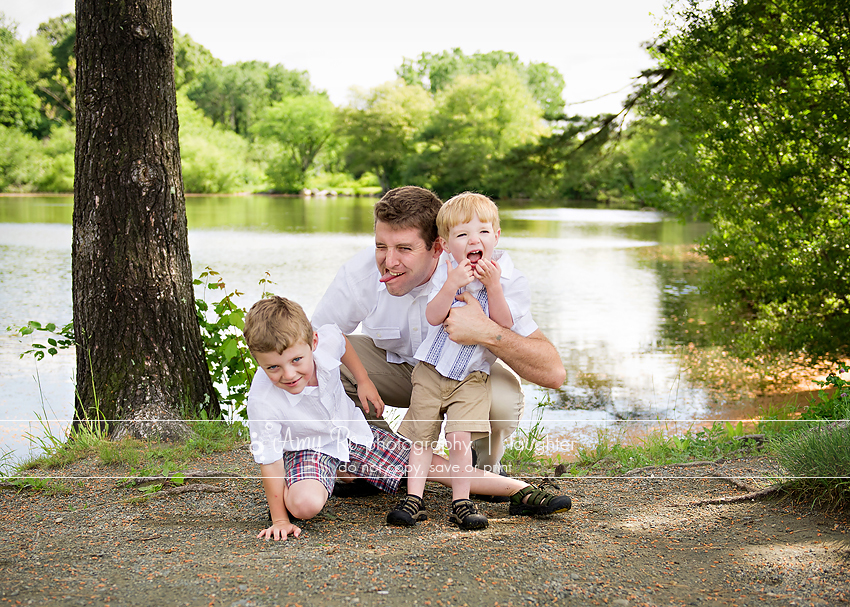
pixel 817 461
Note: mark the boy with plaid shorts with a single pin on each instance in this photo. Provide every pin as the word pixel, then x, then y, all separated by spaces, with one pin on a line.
pixel 305 431
pixel 303 426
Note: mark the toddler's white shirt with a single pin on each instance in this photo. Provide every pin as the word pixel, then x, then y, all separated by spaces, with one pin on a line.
pixel 455 361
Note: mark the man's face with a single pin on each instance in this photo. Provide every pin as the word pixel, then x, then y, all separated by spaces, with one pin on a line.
pixel 403 259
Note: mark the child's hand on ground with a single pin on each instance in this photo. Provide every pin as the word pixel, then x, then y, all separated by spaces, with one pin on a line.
pixel 280 531
pixel 368 393
pixel 460 276
pixel 488 272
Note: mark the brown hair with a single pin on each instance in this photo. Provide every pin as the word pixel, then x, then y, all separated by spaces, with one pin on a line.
pixel 275 324
pixel 410 207
pixel 462 208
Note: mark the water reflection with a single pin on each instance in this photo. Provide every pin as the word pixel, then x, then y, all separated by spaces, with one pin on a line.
pixel 601 283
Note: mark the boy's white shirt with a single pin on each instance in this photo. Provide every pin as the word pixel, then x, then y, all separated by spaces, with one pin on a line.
pixel 518 296
pixel 321 418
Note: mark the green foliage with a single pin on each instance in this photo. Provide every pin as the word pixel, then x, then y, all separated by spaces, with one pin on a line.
pixel 21 160
pixel 833 400
pixel 436 72
pixel 214 159
pixel 19 106
pixel 343 183
pixel 760 90
pixel 56 84
pixel 228 358
pixel 58 171
pixel 190 60
pixel 234 95
pixel 382 127
pixel 143 459
pixel 61 338
pixel 35 483
pixel 299 127
pixel 478 120
pixel 660 448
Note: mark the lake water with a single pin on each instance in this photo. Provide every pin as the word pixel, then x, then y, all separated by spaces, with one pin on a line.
pixel 599 293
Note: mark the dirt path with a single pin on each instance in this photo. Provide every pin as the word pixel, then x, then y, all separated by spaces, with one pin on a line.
pixel 627 542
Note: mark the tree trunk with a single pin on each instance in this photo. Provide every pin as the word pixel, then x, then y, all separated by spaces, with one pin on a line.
pixel 140 357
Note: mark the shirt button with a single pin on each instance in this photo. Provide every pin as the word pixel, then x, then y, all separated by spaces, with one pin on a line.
pixel 415 329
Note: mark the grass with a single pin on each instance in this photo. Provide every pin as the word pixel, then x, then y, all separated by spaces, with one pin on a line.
pixel 141 458
pixel 814 453
pixel 817 460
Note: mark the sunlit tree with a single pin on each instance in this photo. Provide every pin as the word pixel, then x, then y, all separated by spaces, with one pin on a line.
pixel 436 71
pixel 761 91
pixel 298 128
pixel 478 120
pixel 382 126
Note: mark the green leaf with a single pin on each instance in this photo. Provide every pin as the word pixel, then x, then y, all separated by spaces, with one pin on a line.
pixel 230 347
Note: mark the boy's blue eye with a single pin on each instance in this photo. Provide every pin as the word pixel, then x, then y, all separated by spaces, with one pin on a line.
pixel 296 359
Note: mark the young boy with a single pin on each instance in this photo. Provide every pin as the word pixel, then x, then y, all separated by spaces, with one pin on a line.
pixel 304 428
pixel 451 380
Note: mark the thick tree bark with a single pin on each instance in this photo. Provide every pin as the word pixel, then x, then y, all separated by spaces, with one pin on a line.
pixel 140 358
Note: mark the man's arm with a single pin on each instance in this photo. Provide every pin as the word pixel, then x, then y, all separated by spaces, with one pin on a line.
pixel 534 358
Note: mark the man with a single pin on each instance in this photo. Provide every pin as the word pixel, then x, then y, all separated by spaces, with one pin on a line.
pixel 386 291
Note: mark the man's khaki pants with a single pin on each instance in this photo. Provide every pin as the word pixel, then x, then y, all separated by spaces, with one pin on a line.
pixel 394 385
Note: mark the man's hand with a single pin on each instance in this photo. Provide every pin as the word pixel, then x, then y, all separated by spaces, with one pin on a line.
pixel 533 358
pixel 467 324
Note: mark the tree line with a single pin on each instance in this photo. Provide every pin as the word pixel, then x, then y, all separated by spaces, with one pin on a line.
pixel 450 121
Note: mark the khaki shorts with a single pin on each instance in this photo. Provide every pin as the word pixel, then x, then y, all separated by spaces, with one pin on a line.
pixel 465 404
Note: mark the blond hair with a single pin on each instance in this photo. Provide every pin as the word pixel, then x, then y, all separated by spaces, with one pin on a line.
pixel 275 324
pixel 462 208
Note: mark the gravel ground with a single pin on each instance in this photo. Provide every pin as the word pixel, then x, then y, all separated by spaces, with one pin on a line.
pixel 627 542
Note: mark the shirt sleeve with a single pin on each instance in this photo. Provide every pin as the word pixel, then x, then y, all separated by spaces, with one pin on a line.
pixel 331 345
pixel 342 304
pixel 265 433
pixel 518 295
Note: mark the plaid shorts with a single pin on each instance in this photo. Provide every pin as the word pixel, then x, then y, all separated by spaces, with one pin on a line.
pixel 383 464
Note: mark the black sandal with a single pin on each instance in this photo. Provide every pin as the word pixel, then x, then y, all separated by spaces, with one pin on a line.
pixel 407 512
pixel 539 503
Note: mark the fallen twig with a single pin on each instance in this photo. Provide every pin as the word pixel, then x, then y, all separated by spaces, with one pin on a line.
pixel 738 483
pixel 740 498
pixel 194 487
pixel 147 480
pixel 682 465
